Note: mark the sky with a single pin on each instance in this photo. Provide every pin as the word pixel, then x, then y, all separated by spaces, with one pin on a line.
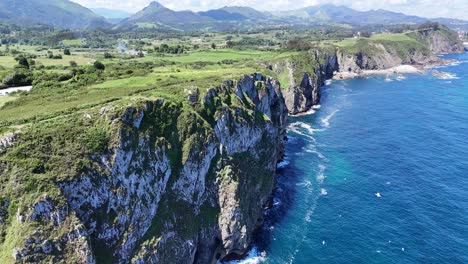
pixel 424 8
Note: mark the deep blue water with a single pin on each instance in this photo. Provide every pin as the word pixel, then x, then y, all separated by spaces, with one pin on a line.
pixel 379 174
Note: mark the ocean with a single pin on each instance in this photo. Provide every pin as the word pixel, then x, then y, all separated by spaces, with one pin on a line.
pixel 379 174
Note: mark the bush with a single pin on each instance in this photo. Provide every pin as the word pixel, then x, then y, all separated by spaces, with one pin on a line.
pixel 99 66
pixel 73 64
pixel 20 77
pixel 66 52
pixel 107 55
pixel 22 61
pixel 96 140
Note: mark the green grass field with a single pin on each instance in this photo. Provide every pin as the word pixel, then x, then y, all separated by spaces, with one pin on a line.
pixel 7 62
pixel 162 82
pixel 5 99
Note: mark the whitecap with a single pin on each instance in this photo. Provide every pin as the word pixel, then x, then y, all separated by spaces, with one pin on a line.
pixel 444 75
pixel 326 120
pixel 378 195
pixel 321 175
pixel 253 257
pixel 313 150
pixel 282 164
pixel 276 201
pixel 401 77
pixel 323 191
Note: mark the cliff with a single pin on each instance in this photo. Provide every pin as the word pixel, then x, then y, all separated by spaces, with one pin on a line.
pixel 303 75
pixel 151 181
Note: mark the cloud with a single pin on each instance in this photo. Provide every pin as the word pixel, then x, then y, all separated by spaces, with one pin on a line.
pixel 424 8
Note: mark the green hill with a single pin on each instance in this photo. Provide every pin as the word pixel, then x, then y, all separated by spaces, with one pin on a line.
pixel 156 15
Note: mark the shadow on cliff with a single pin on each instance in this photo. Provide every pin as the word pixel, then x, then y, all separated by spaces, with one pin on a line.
pixel 284 195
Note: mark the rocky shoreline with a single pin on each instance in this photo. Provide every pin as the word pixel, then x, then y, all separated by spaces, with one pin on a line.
pixel 302 95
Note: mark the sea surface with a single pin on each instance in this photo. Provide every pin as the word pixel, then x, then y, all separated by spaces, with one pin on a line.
pixel 379 174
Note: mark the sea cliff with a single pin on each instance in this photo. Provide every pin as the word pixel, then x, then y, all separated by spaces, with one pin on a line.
pixel 304 75
pixel 151 182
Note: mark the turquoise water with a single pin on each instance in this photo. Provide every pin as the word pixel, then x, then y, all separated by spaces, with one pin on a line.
pixel 379 174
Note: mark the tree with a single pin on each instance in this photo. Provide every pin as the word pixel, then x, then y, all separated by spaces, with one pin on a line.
pixel 22 61
pixel 99 66
pixel 20 77
pixel 66 52
pixel 213 46
pixel 229 44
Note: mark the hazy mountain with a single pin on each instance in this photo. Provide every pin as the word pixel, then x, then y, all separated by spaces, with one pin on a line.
pixel 58 13
pixel 229 17
pixel 346 15
pixel 156 15
pixel 235 13
pixel 247 12
pixel 343 14
pixel 67 14
pixel 111 13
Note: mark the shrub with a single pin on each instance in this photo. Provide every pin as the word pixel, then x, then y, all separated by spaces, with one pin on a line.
pixel 20 77
pixel 22 61
pixel 96 140
pixel 66 52
pixel 99 66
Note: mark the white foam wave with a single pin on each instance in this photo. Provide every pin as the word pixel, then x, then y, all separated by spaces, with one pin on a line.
pixel 321 174
pixel 444 75
pixel 276 201
pixel 313 150
pixel 326 120
pixel 323 191
pixel 253 257
pixel 299 132
pixel 455 63
pixel 328 82
pixel 282 164
pixel 304 130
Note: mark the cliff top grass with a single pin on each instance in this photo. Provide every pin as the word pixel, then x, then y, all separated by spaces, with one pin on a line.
pixel 152 76
pixel 400 43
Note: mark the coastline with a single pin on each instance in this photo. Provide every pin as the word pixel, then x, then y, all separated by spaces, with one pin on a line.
pixel 401 69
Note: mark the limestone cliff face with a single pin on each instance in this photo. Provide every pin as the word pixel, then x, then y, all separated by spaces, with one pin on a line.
pixel 442 40
pixel 176 183
pixel 305 78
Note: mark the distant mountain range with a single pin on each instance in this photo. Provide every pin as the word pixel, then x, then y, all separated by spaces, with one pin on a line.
pixel 58 13
pixel 111 13
pixel 66 14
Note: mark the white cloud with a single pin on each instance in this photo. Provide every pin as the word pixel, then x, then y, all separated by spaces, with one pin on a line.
pixel 424 8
